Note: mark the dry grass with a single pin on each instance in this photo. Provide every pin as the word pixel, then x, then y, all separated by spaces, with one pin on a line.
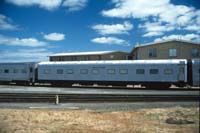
pixel 87 121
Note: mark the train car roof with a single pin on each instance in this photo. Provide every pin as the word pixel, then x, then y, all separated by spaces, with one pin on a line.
pixel 173 61
pixel 16 63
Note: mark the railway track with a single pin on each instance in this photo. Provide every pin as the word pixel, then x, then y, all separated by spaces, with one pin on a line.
pixel 63 98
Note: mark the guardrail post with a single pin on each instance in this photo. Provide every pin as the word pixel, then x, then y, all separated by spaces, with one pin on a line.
pixel 57 100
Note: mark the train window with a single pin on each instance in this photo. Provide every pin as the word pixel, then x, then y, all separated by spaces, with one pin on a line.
pixel 168 71
pixel 6 71
pixel 59 71
pixel 24 71
pixel 69 71
pixel 123 71
pixel 47 71
pixel 0 71
pixel 199 71
pixel 95 71
pixel 111 71
pixel 84 71
pixel 15 71
pixel 153 71
pixel 140 71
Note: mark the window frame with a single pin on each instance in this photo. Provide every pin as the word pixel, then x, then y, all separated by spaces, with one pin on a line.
pixel 23 70
pixel 123 71
pixel 95 71
pixel 6 71
pixel 173 52
pixel 152 52
pixel 69 71
pixel 153 71
pixel 140 71
pixel 111 71
pixel 15 70
pixel 59 71
pixel 83 71
pixel 195 52
pixel 168 71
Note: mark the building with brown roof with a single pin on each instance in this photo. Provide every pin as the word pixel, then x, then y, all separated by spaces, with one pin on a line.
pixel 85 56
pixel 170 49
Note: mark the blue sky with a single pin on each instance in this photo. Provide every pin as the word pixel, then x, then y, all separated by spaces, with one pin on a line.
pixel 30 30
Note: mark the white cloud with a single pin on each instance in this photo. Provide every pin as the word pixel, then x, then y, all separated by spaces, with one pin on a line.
pixel 27 42
pixel 155 29
pixel 187 37
pixel 75 5
pixel 113 28
pixel 162 12
pixel 54 36
pixel 110 40
pixel 172 13
pixel 153 33
pixel 5 23
pixel 193 28
pixel 24 55
pixel 135 8
pixel 46 4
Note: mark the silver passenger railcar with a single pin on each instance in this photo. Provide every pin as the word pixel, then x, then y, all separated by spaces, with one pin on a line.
pixel 196 72
pixel 20 73
pixel 158 73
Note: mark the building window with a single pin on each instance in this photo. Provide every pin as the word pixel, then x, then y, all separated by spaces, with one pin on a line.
pixel 6 71
pixel 195 52
pixel 84 71
pixel 153 71
pixel 129 57
pixel 168 71
pixel 86 58
pixel 59 71
pixel 140 71
pixel 69 71
pixel 152 52
pixel 61 58
pixel 111 56
pixel 99 57
pixel 123 71
pixel 172 52
pixel 73 58
pixel 111 71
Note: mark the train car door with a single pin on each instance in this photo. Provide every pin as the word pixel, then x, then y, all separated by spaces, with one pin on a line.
pixel 182 71
pixel 181 74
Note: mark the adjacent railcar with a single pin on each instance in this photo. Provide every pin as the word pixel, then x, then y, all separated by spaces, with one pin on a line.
pixel 145 72
pixel 196 72
pixel 20 73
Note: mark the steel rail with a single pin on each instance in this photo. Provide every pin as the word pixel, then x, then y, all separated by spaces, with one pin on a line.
pixel 63 98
